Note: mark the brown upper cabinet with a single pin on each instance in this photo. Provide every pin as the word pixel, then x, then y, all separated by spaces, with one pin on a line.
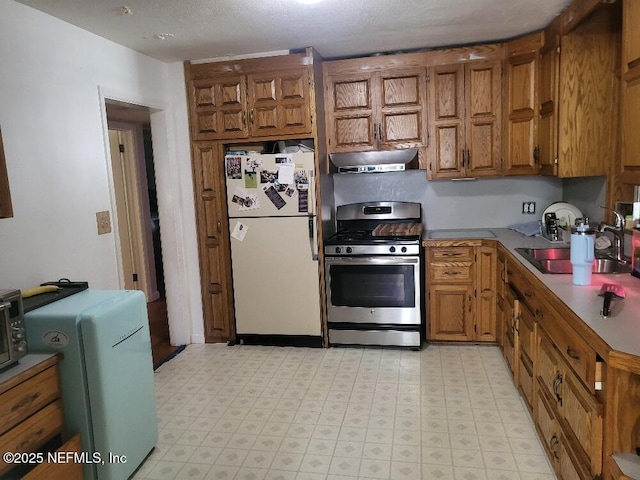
pixel 380 109
pixel 262 103
pixel 631 90
pixel 521 93
pixel 464 111
pixel 579 87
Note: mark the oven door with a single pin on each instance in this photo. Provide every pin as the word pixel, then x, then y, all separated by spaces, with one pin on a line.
pixel 373 290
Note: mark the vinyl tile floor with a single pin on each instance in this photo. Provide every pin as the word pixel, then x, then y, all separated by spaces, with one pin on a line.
pixel 267 413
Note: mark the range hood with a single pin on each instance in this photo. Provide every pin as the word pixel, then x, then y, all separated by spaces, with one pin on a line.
pixel 374 162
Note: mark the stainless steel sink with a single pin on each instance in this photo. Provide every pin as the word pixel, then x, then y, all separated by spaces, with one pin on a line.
pixel 556 260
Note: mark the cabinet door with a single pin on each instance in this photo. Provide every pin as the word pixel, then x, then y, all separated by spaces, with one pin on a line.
pixel 218 108
pixel 483 118
pixel 547 425
pixel 511 349
pixel 588 89
pixel 630 38
pixel 631 84
pixel 278 103
pixel 485 321
pixel 349 105
pixel 521 129
pixel 446 120
pixel 402 122
pixel 213 241
pixel 583 415
pixel 548 102
pixel 451 312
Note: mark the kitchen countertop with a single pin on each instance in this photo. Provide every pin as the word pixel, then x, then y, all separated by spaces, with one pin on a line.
pixel 621 331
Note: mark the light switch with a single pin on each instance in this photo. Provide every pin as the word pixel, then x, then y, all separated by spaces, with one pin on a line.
pixel 104 222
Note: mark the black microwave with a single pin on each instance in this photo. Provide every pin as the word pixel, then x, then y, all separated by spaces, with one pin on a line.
pixel 13 339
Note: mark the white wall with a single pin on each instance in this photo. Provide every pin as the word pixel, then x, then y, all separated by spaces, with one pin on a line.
pixel 54 80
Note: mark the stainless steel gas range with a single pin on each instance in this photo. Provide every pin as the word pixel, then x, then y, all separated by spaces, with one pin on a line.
pixel 373 271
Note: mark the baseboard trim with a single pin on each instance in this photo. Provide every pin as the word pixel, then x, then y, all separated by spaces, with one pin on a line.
pixel 280 340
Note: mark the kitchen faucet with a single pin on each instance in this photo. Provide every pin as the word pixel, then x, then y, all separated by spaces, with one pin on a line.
pixel 618 236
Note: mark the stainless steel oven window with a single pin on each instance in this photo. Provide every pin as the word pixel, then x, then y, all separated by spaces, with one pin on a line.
pixel 373 286
pixel 403 315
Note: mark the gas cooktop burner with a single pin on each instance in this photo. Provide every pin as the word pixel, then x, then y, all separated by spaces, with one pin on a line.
pixel 356 235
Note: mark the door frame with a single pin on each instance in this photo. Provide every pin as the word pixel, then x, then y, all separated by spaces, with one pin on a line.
pixel 132 218
pixel 172 167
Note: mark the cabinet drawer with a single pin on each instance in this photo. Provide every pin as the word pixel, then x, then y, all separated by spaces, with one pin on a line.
pixel 569 466
pixel 522 285
pixel 28 397
pixel 583 414
pixel 451 273
pixel 526 336
pixel 575 351
pixel 451 254
pixel 526 381
pixel 34 432
pixel 546 423
pixel 547 371
pixel 59 471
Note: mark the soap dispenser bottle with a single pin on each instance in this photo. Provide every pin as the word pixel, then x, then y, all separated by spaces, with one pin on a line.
pixel 582 251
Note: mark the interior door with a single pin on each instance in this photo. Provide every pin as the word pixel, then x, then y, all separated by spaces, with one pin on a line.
pixel 134 231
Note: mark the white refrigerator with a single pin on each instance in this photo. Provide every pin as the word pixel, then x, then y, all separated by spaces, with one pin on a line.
pixel 274 254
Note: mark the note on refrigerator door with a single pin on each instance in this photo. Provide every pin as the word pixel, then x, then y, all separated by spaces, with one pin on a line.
pixel 271 192
pixel 245 200
pixel 239 231
pixel 234 167
pixel 283 158
pixel 285 173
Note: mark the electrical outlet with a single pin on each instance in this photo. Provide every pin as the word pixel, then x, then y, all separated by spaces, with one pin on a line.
pixel 104 222
pixel 528 208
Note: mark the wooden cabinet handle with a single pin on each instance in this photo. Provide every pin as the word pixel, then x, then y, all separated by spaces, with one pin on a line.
pixel 553 443
pixel 572 353
pixel 529 293
pixel 452 272
pixel 469 303
pixel 379 131
pixel 451 254
pixel 28 400
pixel 557 381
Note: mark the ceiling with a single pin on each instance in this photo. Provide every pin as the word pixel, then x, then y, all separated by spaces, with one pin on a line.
pixel 177 30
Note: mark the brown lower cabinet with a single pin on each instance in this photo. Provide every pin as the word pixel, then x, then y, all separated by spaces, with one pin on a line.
pixel 461 296
pixel 31 416
pixel 557 373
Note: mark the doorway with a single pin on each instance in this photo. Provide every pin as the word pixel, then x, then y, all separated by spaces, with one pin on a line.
pixel 137 221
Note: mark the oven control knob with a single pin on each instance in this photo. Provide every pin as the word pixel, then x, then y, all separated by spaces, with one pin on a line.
pixel 404 249
pixel 349 249
pixel 392 249
pixel 21 347
pixel 18 333
pixel 338 250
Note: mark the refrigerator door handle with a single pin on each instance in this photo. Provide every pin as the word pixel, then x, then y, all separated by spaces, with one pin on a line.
pixel 312 238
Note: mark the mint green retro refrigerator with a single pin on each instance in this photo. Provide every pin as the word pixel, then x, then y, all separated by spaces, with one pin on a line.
pixel 106 375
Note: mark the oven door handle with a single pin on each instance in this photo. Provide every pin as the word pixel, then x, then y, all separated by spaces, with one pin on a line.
pixel 377 260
